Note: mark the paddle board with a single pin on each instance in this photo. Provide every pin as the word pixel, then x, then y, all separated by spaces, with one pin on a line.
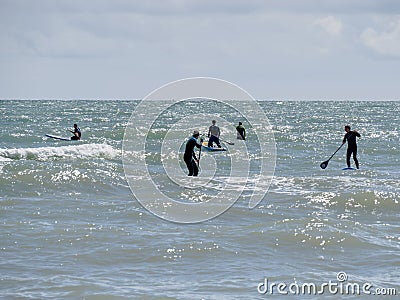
pixel 205 146
pixel 349 169
pixel 57 137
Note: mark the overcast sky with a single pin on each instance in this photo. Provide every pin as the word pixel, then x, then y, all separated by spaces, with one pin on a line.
pixel 275 49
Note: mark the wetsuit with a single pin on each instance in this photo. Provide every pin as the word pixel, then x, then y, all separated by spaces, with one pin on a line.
pixel 241 132
pixel 190 157
pixel 78 131
pixel 350 137
pixel 213 134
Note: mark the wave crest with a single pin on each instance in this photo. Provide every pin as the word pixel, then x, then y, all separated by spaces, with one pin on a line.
pixel 51 153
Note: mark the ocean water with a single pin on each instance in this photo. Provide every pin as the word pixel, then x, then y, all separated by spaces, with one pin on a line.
pixel 71 228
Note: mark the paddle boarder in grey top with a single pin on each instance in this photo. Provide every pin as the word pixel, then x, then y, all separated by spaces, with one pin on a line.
pixel 351 137
pixel 213 135
pixel 77 133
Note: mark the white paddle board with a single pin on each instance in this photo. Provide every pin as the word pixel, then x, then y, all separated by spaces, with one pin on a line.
pixel 205 146
pixel 57 137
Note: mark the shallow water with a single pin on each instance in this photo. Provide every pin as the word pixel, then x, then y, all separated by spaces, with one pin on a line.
pixel 71 227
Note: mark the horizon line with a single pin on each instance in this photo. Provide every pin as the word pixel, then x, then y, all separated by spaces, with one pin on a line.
pixel 261 100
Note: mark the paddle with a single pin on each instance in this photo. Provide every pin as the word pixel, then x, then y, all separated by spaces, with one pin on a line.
pixel 198 160
pixel 229 143
pixel 324 164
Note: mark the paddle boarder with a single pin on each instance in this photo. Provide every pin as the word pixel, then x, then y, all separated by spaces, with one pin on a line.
pixel 241 132
pixel 190 156
pixel 77 133
pixel 213 135
pixel 351 137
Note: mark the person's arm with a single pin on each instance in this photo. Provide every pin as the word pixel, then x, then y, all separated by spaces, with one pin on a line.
pixel 219 132
pixel 244 133
pixel 344 139
pixel 356 133
pixel 209 131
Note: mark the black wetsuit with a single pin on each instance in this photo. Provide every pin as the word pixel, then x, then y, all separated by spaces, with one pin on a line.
pixel 241 132
pixel 350 137
pixel 78 131
pixel 190 157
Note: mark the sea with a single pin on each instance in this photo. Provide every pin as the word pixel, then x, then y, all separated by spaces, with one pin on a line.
pixel 73 227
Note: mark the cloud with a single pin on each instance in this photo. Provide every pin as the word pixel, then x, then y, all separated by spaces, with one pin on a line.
pixel 179 7
pixel 125 48
pixel 330 25
pixel 386 42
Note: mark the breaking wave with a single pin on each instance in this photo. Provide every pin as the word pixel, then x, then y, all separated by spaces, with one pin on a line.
pixel 51 153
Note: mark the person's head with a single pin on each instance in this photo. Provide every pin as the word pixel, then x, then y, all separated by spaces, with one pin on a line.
pixel 196 134
pixel 240 123
pixel 75 125
pixel 213 122
pixel 347 128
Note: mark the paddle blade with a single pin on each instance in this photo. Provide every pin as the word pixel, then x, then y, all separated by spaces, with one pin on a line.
pixel 324 165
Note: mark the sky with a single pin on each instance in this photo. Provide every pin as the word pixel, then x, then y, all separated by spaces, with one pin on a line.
pixel 274 49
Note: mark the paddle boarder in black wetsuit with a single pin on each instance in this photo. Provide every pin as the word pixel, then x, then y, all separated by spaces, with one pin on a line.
pixel 350 137
pixel 190 157
pixel 77 133
pixel 241 132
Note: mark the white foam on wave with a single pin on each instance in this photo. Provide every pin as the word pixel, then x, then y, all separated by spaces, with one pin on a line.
pixel 4 159
pixel 72 151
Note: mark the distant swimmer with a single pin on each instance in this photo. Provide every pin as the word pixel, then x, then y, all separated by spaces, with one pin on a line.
pixel 213 135
pixel 77 133
pixel 241 132
pixel 190 157
pixel 350 137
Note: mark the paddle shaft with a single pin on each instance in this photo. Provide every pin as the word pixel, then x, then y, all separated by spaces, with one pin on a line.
pixel 229 143
pixel 200 153
pixel 335 152
pixel 201 146
pixel 338 149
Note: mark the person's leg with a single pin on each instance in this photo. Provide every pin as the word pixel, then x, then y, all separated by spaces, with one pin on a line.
pixel 189 165
pixel 349 151
pixel 355 157
pixel 195 168
pixel 211 140
pixel 217 142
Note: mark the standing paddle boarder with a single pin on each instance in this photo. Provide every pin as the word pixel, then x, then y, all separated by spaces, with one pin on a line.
pixel 213 133
pixel 350 137
pixel 241 132
pixel 190 157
